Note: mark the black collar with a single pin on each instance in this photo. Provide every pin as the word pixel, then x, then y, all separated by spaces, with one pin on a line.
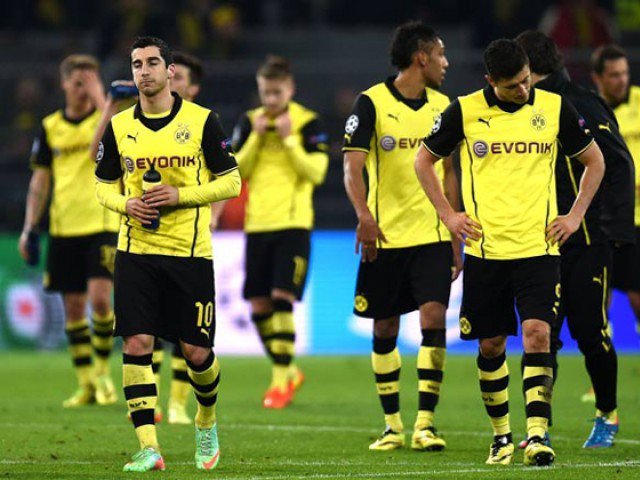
pixel 555 82
pixel 139 114
pixel 490 97
pixel 76 121
pixel 412 103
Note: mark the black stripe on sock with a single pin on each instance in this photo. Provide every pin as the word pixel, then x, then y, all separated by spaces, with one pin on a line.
pixel 427 401
pixel 430 374
pixel 491 364
pixel 82 361
pixel 143 417
pixel 493 386
pixel 286 337
pixel 141 360
pixel 281 305
pixel 383 346
pixel 434 338
pixel 260 317
pixel 210 387
pixel 207 401
pixel 102 352
pixel 498 410
pixel 155 366
pixel 207 363
pixel 181 376
pixel 140 390
pixel 103 333
pixel 538 360
pixel 537 381
pixel 282 359
pixel 538 409
pixel 390 403
pixel 73 340
pixel 388 377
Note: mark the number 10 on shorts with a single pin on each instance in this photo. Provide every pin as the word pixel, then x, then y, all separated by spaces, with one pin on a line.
pixel 205 317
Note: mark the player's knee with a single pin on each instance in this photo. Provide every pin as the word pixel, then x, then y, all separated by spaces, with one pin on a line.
pixel 432 315
pixel 138 345
pixel 492 347
pixel 194 354
pixel 278 295
pixel 536 336
pixel 101 306
pixel 387 328
pixel 74 308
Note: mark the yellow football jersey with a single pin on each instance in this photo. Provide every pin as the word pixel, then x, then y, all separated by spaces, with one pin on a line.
pixel 508 166
pixel 390 129
pixel 280 185
pixel 63 147
pixel 186 147
pixel 628 116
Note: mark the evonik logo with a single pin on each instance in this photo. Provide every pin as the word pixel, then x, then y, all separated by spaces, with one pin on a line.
pixel 144 163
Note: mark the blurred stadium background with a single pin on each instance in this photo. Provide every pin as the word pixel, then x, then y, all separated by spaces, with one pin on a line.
pixel 337 49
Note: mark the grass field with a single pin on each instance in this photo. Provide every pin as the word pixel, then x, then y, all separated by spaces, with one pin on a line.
pixel 324 435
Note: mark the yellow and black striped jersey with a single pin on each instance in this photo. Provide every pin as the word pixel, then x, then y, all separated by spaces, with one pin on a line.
pixel 628 116
pixel 390 128
pixel 188 148
pixel 63 146
pixel 508 166
pixel 281 174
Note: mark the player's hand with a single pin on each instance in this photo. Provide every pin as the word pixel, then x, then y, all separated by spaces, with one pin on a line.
pixel 93 86
pixel 458 264
pixel 142 212
pixel 161 196
pixel 213 224
pixel 283 125
pixel 562 228
pixel 260 124
pixel 463 227
pixel 367 235
pixel 22 245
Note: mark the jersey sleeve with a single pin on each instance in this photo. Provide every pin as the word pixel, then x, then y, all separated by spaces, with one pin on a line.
pixel 360 125
pixel 41 155
pixel 447 131
pixel 241 132
pixel 314 137
pixel 109 168
pixel 572 133
pixel 216 147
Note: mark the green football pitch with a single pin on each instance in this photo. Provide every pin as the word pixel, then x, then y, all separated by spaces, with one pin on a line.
pixel 323 435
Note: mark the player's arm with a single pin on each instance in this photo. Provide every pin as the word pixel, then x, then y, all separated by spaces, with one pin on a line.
pixel 94 88
pixel 452 193
pixel 576 142
pixel 359 129
pixel 39 189
pixel 225 178
pixel 445 136
pixel 308 156
pixel 111 107
pixel 109 182
pixel 246 142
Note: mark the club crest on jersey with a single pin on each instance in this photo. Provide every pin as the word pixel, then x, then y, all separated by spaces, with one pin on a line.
pixel 183 134
pixel 538 122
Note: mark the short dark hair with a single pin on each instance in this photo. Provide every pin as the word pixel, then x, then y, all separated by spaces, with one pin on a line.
pixel 163 47
pixel 409 38
pixel 504 58
pixel 544 56
pixel 604 53
pixel 275 68
pixel 196 70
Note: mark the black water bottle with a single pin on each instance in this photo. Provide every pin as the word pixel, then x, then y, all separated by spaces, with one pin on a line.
pixel 150 179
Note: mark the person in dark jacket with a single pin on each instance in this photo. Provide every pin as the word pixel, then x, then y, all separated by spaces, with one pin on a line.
pixel 586 258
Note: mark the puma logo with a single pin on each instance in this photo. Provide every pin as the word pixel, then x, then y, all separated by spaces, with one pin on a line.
pixel 598 280
pixel 606 127
pixel 395 117
pixel 205 332
pixel 135 139
pixel 486 122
